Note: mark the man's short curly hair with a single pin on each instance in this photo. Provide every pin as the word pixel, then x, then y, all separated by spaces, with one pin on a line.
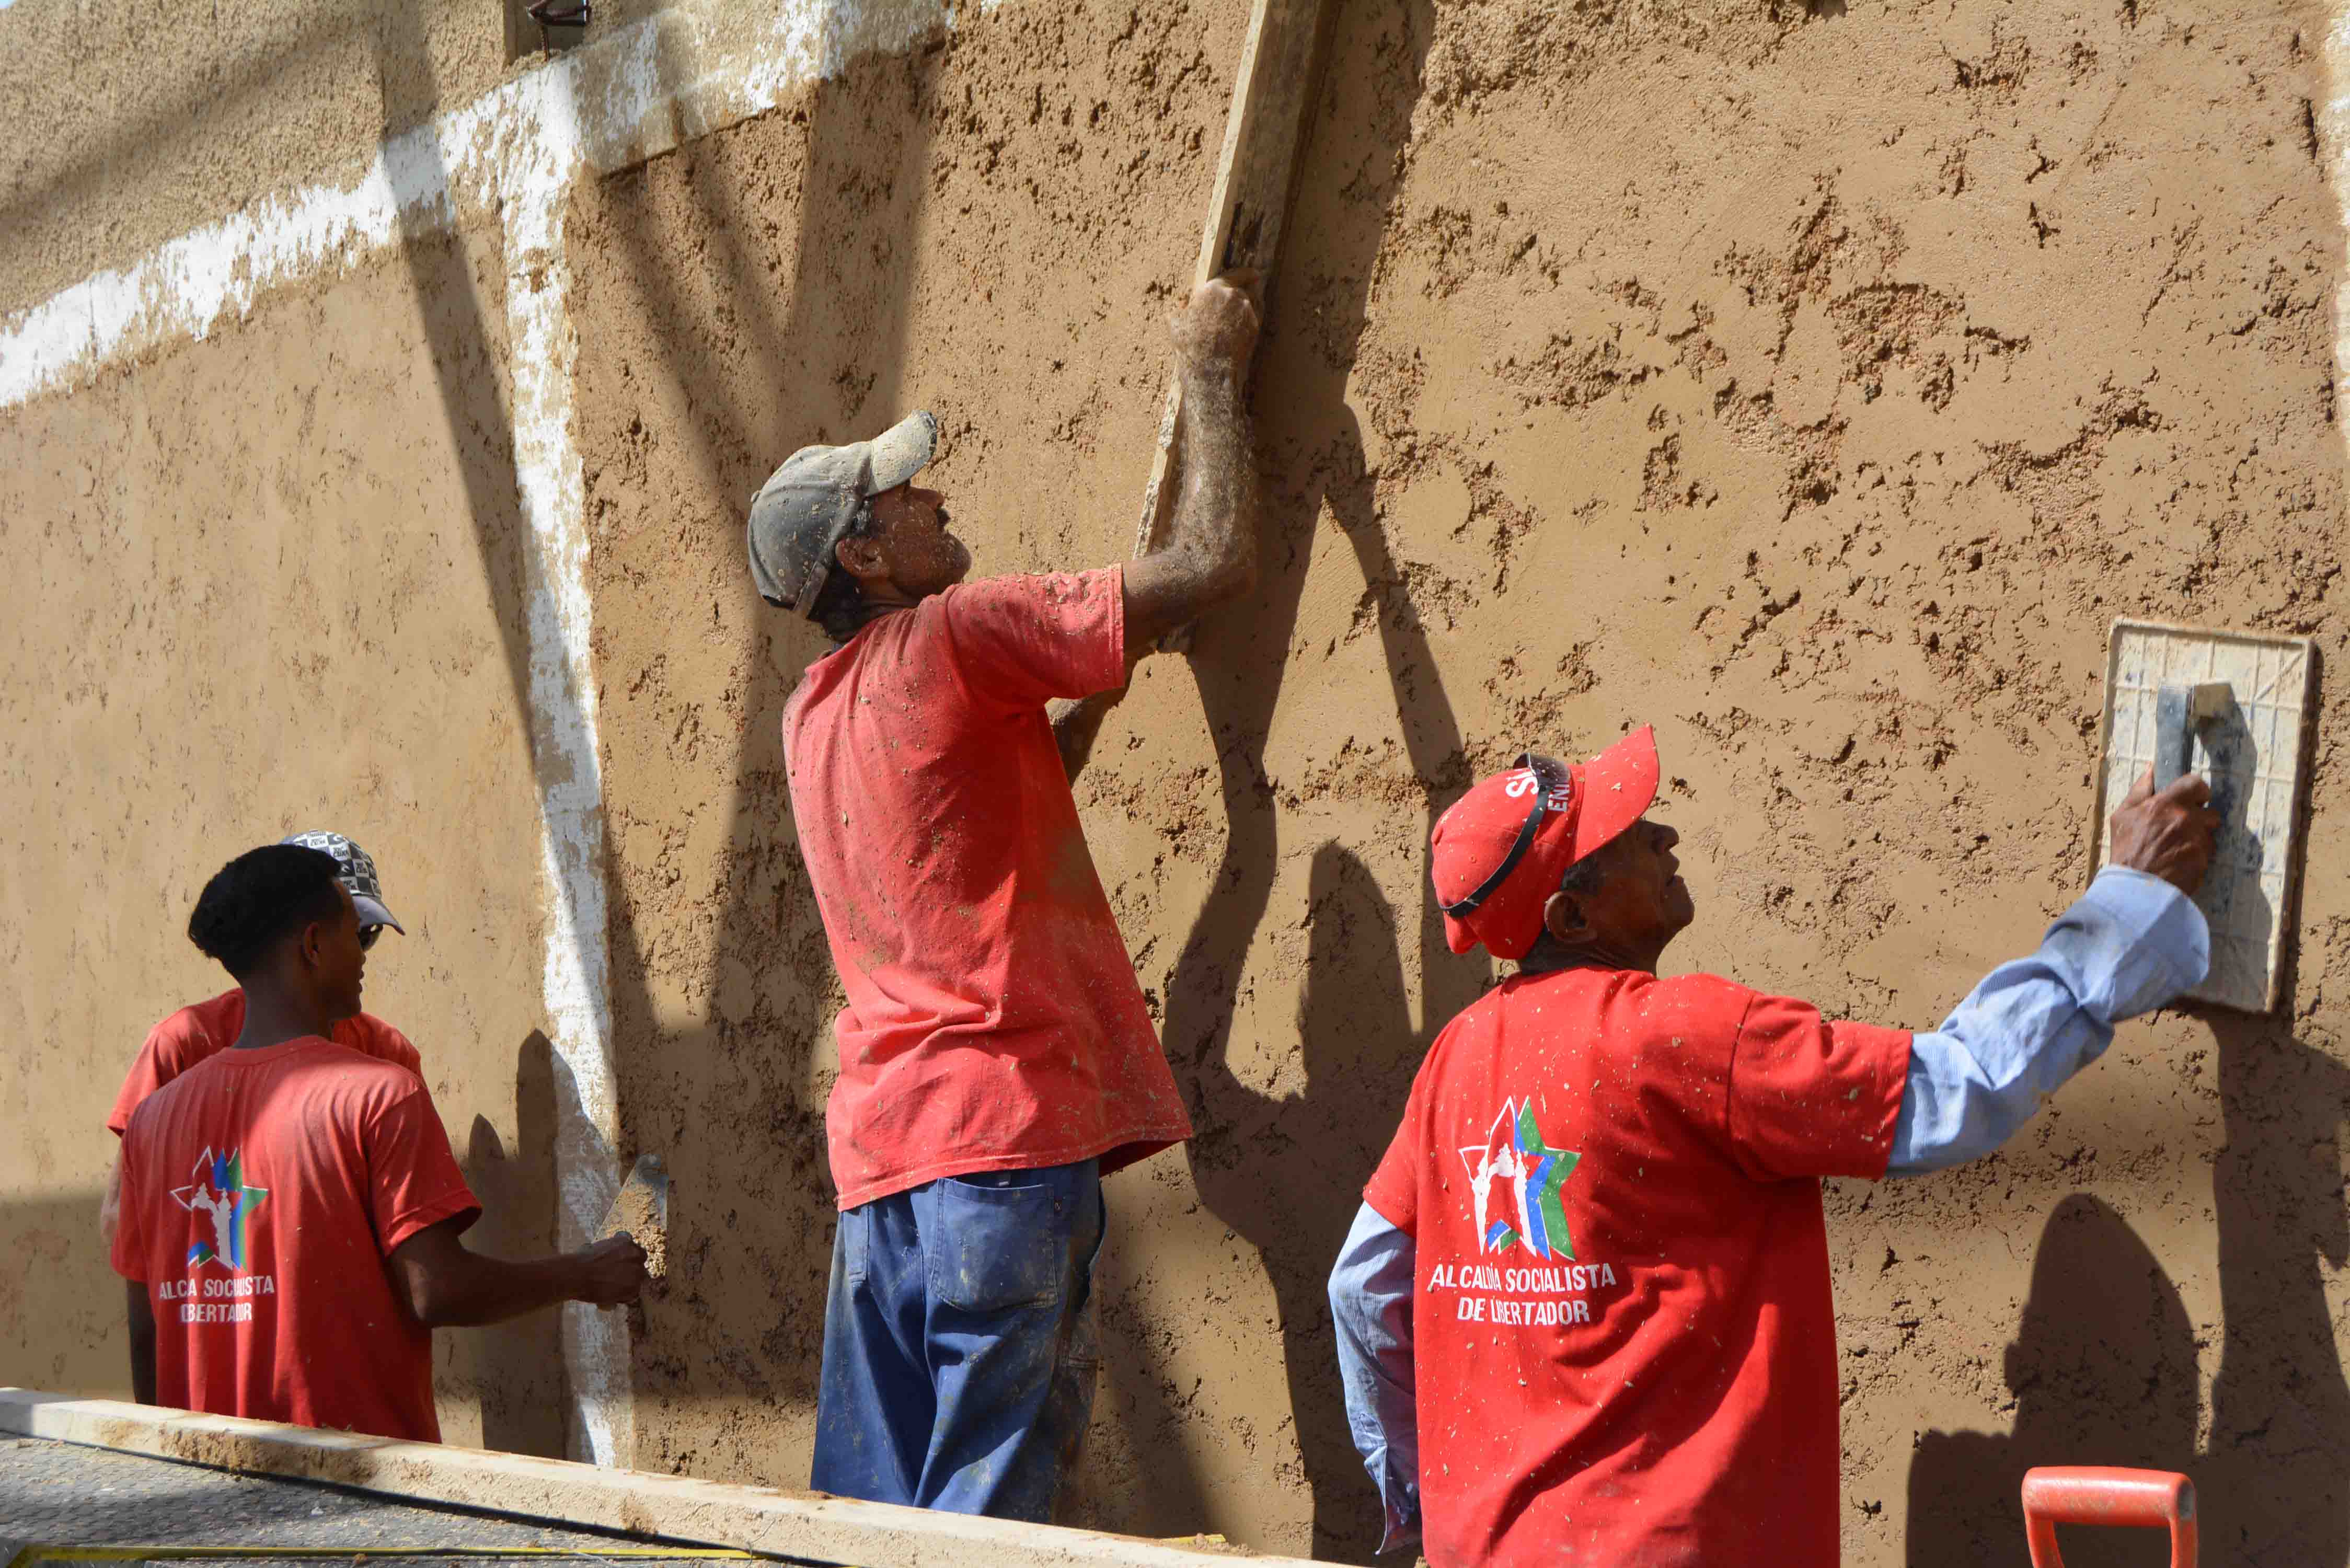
pixel 259 897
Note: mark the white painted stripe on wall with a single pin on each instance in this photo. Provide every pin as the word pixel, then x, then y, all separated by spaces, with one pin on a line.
pixel 2334 131
pixel 674 75
pixel 516 151
pixel 543 346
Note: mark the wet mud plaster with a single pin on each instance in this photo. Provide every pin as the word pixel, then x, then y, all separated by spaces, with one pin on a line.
pixel 1816 385
pixel 1815 382
pixel 638 1213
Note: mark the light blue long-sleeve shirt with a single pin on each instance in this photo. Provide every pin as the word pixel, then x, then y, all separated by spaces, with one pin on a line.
pixel 2131 943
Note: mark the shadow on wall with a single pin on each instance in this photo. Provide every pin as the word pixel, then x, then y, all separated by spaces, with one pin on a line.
pixel 514 1369
pixel 1287 1172
pixel 297 47
pixel 2103 1369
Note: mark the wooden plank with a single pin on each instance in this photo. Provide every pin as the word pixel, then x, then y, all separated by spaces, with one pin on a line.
pixel 805 1526
pixel 1265 134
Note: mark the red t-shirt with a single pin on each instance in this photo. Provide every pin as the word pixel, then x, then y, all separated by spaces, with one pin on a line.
pixel 1624 1341
pixel 202 1028
pixel 262 1192
pixel 993 1020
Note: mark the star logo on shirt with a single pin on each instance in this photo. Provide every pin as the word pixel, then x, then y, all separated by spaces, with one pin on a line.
pixel 220 1194
pixel 1529 1175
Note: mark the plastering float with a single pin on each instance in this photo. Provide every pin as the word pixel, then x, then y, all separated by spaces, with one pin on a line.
pixel 2235 707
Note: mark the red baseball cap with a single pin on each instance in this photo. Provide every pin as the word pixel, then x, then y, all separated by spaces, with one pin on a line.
pixel 1497 854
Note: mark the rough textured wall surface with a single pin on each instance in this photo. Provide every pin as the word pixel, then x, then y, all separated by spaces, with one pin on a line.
pixel 132 124
pixel 1814 381
pixel 265 582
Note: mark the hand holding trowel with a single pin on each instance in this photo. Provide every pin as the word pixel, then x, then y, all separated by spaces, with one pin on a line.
pixel 640 1213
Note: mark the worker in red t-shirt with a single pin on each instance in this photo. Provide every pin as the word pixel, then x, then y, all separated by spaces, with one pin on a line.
pixel 291 1212
pixel 201 1028
pixel 996 1056
pixel 1584 1313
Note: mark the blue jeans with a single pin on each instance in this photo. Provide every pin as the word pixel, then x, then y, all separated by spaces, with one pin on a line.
pixel 962 1341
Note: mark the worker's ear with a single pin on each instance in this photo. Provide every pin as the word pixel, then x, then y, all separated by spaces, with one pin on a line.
pixel 861 557
pixel 1564 917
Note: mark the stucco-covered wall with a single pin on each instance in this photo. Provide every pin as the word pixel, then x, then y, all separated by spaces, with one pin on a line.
pixel 1814 381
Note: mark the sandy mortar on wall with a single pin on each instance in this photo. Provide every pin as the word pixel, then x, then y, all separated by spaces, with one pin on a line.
pixel 1814 381
pixel 1815 385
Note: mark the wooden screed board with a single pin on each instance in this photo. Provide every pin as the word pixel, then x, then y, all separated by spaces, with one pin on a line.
pixel 2254 754
pixel 1263 135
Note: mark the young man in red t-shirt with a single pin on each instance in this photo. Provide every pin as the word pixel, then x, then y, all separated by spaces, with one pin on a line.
pixel 202 1028
pixel 1584 1313
pixel 291 1211
pixel 996 1058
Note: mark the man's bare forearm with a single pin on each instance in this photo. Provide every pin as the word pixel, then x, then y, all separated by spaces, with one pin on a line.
pixel 1210 555
pixel 110 1208
pixel 1215 518
pixel 447 1285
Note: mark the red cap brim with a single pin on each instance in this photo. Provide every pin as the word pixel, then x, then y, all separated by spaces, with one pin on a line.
pixel 1620 785
pixel 1610 792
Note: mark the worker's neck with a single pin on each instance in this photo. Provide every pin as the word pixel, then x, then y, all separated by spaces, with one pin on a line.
pixel 275 1013
pixel 870 610
pixel 1549 955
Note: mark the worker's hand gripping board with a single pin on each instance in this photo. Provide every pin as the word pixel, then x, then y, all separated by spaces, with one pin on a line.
pixel 2234 708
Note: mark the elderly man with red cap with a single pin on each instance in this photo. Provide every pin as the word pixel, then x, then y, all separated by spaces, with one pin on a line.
pixel 1584 1313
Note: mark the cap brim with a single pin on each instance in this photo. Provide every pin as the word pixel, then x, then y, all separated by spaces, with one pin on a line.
pixel 371 913
pixel 902 450
pixel 1620 785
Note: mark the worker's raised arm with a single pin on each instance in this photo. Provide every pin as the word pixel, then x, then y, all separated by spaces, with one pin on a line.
pixel 2133 942
pixel 1210 553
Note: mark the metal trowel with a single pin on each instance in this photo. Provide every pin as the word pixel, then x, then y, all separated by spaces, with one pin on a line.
pixel 641 1212
pixel 2182 715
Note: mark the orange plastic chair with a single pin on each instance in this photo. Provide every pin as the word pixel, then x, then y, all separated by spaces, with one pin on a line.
pixel 2100 1495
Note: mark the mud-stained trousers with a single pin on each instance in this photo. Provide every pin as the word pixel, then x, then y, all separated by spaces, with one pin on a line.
pixel 962 1342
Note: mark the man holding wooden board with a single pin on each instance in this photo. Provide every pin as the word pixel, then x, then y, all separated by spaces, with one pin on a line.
pixel 996 1056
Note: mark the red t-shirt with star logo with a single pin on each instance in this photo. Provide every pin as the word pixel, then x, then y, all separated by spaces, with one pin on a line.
pixel 262 1193
pixel 1623 1336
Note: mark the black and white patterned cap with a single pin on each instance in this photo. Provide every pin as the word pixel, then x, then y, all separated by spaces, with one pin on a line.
pixel 356 871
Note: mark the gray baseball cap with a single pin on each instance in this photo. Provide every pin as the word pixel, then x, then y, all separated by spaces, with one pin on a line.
pixel 808 506
pixel 355 869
